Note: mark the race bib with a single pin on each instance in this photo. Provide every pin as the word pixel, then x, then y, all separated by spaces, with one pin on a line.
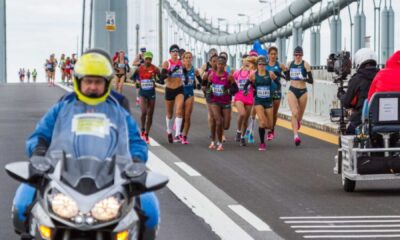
pixel 146 84
pixel 95 124
pixel 295 74
pixel 263 92
pixel 218 89
pixel 241 84
pixel 177 74
pixel 121 65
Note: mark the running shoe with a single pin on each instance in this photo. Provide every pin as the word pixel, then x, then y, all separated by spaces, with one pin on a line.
pixel 212 145
pixel 143 135
pixel 238 134
pixel 270 136
pixel 251 138
pixel 297 141
pixel 170 138
pixel 262 147
pixel 247 133
pixel 220 148
pixel 242 142
pixel 184 140
pixel 147 139
pixel 178 138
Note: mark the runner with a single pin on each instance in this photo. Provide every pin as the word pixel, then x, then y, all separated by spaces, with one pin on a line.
pixel 68 70
pixel 49 68
pixel 189 83
pixel 205 71
pixel 61 65
pixel 252 59
pixel 34 75
pixel 73 62
pixel 262 83
pixel 275 70
pixel 299 72
pixel 172 71
pixel 222 85
pixel 28 75
pixel 243 103
pixel 147 74
pixel 138 61
pixel 121 67
pixel 54 62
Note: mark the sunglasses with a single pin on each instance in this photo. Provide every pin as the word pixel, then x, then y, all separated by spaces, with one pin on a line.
pixel 262 64
pixel 175 51
pixel 298 55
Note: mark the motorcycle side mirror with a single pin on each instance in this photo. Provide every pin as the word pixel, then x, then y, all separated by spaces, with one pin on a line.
pixel 155 181
pixel 134 170
pixel 20 171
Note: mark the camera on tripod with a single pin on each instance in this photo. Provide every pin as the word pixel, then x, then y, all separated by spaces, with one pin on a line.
pixel 340 64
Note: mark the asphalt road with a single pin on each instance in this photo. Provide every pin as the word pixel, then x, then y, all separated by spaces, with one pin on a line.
pixel 290 188
pixel 21 106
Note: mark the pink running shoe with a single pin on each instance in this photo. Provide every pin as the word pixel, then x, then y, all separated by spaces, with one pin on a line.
pixel 220 148
pixel 184 140
pixel 270 136
pixel 178 138
pixel 212 145
pixel 262 147
pixel 297 141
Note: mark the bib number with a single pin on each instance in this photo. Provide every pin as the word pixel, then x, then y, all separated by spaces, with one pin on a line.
pixel 241 84
pixel 263 92
pixel 146 84
pixel 295 74
pixel 218 89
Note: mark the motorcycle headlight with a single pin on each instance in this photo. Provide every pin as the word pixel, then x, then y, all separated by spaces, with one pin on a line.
pixel 107 209
pixel 63 206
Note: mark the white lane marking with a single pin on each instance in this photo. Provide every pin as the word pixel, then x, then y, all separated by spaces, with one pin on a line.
pixel 340 217
pixel 219 222
pixel 351 231
pixel 68 89
pixel 252 219
pixel 154 143
pixel 352 236
pixel 346 226
pixel 188 169
pixel 346 221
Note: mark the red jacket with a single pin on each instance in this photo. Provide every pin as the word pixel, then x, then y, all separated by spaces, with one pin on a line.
pixel 387 79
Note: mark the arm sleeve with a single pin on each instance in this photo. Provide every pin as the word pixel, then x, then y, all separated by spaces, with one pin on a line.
pixel 40 139
pixel 310 78
pixel 137 147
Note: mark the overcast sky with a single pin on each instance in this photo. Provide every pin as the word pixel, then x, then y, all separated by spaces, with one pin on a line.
pixel 37 28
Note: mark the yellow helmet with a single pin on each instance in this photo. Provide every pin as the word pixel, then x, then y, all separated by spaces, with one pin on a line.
pixel 96 63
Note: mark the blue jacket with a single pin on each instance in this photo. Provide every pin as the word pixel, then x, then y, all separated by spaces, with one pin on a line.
pixel 44 129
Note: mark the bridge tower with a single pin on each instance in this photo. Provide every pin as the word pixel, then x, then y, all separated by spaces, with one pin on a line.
pixel 3 46
pixel 115 40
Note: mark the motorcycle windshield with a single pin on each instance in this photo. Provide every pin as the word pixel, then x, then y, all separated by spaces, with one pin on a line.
pixel 88 175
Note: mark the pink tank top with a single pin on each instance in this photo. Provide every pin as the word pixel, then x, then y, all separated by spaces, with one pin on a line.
pixel 178 73
pixel 241 77
pixel 219 88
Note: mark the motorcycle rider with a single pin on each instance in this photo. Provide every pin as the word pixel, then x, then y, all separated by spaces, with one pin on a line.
pixel 365 61
pixel 92 85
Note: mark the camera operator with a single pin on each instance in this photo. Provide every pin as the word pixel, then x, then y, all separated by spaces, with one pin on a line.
pixel 358 87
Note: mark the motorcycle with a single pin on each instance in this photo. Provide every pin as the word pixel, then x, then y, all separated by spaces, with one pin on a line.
pixel 84 198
